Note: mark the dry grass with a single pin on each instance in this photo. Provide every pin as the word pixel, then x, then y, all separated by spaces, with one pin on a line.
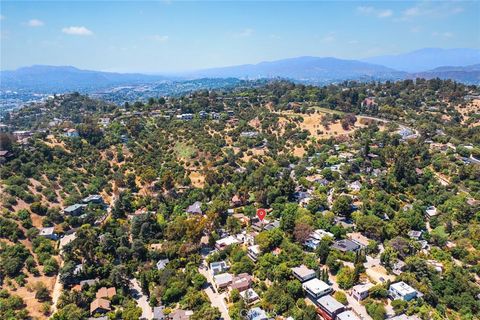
pixel 472 107
pixel 33 306
pixel 198 179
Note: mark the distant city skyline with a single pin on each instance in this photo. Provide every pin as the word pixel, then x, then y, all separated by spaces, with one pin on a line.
pixel 176 36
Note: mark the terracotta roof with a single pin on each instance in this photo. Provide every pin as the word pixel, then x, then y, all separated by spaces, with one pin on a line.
pixel 99 304
pixel 105 292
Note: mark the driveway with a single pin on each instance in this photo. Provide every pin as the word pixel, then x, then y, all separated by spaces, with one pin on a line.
pixel 141 299
pixel 217 299
pixel 356 307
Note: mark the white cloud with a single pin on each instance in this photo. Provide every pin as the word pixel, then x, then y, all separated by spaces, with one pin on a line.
pixel 429 9
pixel 372 11
pixel 159 38
pixel 247 32
pixel 35 23
pixel 78 31
pixel 353 42
pixel 415 29
pixel 2 17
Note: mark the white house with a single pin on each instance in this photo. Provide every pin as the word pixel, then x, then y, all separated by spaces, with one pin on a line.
pixel 355 186
pixel 316 288
pixel 360 292
pixel 303 273
pixel 48 232
pixel 402 291
pixel 431 211
pixel 218 267
pixel 254 251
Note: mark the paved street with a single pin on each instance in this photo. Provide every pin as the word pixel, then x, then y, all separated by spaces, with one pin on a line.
pixel 141 299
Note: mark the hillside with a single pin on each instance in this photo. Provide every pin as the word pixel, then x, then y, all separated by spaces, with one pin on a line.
pixel 177 176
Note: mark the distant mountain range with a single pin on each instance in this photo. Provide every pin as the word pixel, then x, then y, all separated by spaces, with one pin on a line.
pixel 55 78
pixel 428 58
pixel 306 69
pixel 458 64
pixel 467 74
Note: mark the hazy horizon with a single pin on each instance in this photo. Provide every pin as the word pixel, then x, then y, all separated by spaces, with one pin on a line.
pixel 175 37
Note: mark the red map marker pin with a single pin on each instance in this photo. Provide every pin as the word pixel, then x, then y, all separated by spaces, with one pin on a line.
pixel 261 213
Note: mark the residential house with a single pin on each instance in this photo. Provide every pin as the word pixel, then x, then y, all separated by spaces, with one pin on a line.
pixel 316 288
pixel 195 208
pixel 303 273
pixel 48 232
pixel 315 237
pixel 358 238
pixel 398 266
pixel 74 210
pixel 272 225
pixel 329 308
pixel 218 267
pixel 222 281
pixel 249 134
pixel 361 291
pixel 249 296
pixel 241 282
pixel 403 291
pixel 257 225
pixel 185 116
pixel 346 245
pixel 257 314
pixel 180 314
pixel 225 242
pixel 100 305
pixel 71 133
pixel 254 252
pixel 94 198
pixel 415 234
pixel 438 266
pixel 203 114
pixel 431 211
pixel 347 315
pixel 105 292
pixel 355 186
pixel 162 263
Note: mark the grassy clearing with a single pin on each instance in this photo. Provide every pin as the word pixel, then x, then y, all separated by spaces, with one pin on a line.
pixel 184 150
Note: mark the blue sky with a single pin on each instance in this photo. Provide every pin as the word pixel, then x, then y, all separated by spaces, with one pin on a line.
pixel 168 36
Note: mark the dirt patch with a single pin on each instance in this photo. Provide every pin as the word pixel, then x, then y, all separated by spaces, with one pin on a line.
pixel 33 306
pixel 198 179
pixel 313 124
pixel 299 152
